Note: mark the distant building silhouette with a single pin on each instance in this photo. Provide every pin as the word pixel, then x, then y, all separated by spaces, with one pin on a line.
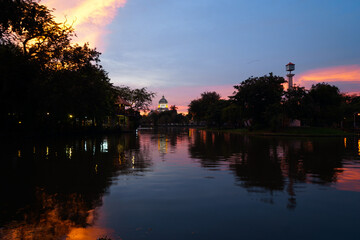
pixel 163 105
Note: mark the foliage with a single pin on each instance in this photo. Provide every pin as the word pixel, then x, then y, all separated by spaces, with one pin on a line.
pixel 257 95
pixel 14 84
pixel 325 101
pixel 156 118
pixel 44 77
pixel 86 92
pixel 31 26
pixel 139 99
pixel 295 102
pixel 201 109
pixel 173 108
pixel 232 115
pixel 261 102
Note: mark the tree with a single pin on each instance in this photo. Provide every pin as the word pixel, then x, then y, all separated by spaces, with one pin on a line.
pixel 257 95
pixel 325 101
pixel 85 93
pixel 139 99
pixel 199 108
pixel 31 26
pixel 232 115
pixel 43 75
pixel 173 108
pixel 15 84
pixel 214 116
pixel 295 103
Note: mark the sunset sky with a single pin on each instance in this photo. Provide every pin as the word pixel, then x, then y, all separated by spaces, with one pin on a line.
pixel 182 48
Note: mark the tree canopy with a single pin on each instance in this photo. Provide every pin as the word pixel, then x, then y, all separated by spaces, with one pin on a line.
pixel 208 108
pixel 45 78
pixel 259 95
pixel 139 99
pixel 262 102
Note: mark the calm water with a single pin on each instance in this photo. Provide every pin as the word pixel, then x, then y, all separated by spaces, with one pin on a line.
pixel 180 184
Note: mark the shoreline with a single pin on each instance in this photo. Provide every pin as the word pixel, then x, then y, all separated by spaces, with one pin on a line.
pixel 290 132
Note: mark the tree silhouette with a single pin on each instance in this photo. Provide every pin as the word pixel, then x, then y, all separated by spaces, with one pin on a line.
pixel 44 76
pixel 258 95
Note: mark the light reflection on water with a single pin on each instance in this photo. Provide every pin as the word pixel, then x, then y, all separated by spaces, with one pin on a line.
pixel 181 184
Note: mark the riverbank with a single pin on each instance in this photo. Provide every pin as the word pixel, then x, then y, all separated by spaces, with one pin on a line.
pixel 294 131
pixel 62 133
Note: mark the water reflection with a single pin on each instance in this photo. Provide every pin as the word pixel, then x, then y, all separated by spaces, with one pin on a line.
pixel 56 189
pixel 53 189
pixel 166 140
pixel 268 164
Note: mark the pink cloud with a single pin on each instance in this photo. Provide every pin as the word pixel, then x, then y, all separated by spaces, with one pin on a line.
pixel 347 78
pixel 90 17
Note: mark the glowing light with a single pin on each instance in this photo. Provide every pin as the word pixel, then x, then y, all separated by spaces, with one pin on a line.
pixel 162 144
pixel 182 95
pixel 69 151
pixel 19 122
pixel 71 116
pixel 48 113
pixel 47 151
pixel 19 153
pixel 359 147
pixel 345 142
pixel 96 168
pixel 104 146
pixel 89 17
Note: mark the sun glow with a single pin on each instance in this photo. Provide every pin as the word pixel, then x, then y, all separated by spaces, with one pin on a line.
pixel 332 74
pixel 89 17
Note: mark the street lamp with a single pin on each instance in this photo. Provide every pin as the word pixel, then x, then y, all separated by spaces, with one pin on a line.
pixel 355 114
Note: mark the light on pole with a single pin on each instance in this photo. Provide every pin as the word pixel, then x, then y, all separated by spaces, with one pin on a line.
pixel 355 114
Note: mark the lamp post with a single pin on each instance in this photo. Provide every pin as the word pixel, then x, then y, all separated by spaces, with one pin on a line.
pixel 290 67
pixel 355 114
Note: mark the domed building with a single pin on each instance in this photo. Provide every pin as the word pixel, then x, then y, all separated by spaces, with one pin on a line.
pixel 163 105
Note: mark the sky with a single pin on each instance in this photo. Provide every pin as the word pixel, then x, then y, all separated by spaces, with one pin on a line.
pixel 182 48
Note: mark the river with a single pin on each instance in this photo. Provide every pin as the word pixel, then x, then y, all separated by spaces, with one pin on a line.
pixel 180 184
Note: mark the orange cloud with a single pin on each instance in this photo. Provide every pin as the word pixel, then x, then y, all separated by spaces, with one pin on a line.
pixel 339 74
pixel 182 109
pixel 90 17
